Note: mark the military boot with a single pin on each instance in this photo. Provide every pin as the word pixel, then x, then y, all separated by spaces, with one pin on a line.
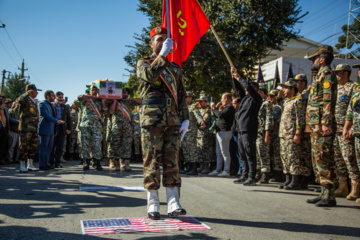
pixel 112 163
pixel 295 183
pixel 187 168
pixel 127 166
pixel 193 170
pixel 81 161
pixel 71 157
pixel 86 164
pixel 201 167
pixel 258 175
pixel 328 198
pixel 342 190
pixel 264 178
pixel 206 169
pixel 117 165
pixel 93 163
pixel 355 191
pixel 287 181
pixel 304 182
pixel 317 199
pixel 98 164
pixel 277 177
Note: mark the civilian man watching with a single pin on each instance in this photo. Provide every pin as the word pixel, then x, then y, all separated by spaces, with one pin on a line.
pixel 224 112
pixel 247 126
pixel 47 124
pixel 63 113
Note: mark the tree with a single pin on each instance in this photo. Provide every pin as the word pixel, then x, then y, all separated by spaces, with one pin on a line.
pixel 133 85
pixel 354 33
pixel 249 29
pixel 14 87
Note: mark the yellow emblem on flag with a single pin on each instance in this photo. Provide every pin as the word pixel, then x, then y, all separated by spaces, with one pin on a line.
pixel 326 84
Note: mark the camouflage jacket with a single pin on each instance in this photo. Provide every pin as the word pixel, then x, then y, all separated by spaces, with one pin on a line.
pixel 118 118
pixel 304 96
pixel 344 95
pixel 136 125
pixel 321 105
pixel 192 118
pixel 277 109
pixel 89 118
pixel 353 113
pixel 29 114
pixel 161 81
pixel 202 114
pixel 74 120
pixel 2 103
pixel 77 108
pixel 292 117
pixel 265 117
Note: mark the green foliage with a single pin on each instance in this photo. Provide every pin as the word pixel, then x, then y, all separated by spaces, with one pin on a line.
pixel 133 85
pixel 249 29
pixel 354 31
pixel 14 87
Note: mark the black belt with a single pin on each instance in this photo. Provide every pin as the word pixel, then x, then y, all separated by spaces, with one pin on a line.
pixel 157 101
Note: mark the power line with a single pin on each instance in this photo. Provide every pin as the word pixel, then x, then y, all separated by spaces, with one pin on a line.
pixel 321 9
pixel 8 54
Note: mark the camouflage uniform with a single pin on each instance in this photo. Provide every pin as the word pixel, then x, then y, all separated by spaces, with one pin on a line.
pixel 104 140
pixel 320 111
pixel 275 140
pixel 28 124
pixel 90 126
pixel 74 134
pixel 203 135
pixel 189 142
pixel 120 131
pixel 137 133
pixel 266 123
pixel 162 113
pixel 292 118
pixel 353 115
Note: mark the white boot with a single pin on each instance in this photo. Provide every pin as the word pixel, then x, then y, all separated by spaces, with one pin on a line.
pixel 173 202
pixel 23 168
pixel 153 204
pixel 31 166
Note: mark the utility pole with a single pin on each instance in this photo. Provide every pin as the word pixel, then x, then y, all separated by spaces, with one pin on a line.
pixel 23 69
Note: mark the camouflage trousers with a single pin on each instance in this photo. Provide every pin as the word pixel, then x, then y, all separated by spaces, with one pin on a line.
pixel 322 155
pixel 72 142
pixel 275 153
pixel 188 146
pixel 263 150
pixel 357 150
pixel 137 145
pixel 306 154
pixel 28 145
pixel 203 148
pixel 161 145
pixel 79 143
pixel 344 156
pixel 91 143
pixel 290 153
pixel 120 141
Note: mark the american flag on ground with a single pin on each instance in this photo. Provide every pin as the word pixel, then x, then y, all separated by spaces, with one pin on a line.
pixel 131 225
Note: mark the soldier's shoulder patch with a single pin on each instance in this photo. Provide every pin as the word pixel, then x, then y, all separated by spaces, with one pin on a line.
pixel 354 100
pixel 348 84
pixel 269 106
pixel 326 84
pixel 356 83
pixel 157 83
pixel 358 89
pixel 206 115
pixel 327 72
pixel 300 105
pixel 311 90
pixel 298 97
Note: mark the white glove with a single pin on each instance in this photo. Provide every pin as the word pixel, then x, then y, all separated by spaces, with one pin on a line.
pixel 166 47
pixel 183 128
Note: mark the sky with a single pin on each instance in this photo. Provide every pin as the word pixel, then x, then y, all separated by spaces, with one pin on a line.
pixel 67 44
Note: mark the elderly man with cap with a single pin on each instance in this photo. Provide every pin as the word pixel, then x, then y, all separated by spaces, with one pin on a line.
pixel 275 141
pixel 28 128
pixel 291 126
pixel 303 92
pixel 92 110
pixel 320 114
pixel 344 148
pixel 164 120
pixel 189 143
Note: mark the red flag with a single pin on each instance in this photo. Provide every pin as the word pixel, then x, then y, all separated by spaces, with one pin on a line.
pixel 188 23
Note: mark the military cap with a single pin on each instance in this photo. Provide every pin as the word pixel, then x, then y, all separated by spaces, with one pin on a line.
pixel 189 94
pixel 289 83
pixel 357 65
pixel 321 50
pixel 273 92
pixel 202 98
pixel 31 87
pixel 299 77
pixel 87 90
pixel 342 67
pixel 158 30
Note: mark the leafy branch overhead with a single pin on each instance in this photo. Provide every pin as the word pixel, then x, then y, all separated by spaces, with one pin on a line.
pixel 249 29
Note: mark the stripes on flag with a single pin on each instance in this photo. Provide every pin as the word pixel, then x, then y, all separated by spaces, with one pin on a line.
pixel 131 225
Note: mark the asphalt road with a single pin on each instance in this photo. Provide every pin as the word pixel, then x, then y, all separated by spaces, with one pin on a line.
pixel 48 205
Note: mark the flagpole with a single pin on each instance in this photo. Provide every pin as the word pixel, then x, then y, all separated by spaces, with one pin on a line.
pixel 221 45
pixel 167 18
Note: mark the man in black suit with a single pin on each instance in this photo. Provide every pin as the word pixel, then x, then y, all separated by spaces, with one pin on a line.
pixel 63 113
pixel 247 126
